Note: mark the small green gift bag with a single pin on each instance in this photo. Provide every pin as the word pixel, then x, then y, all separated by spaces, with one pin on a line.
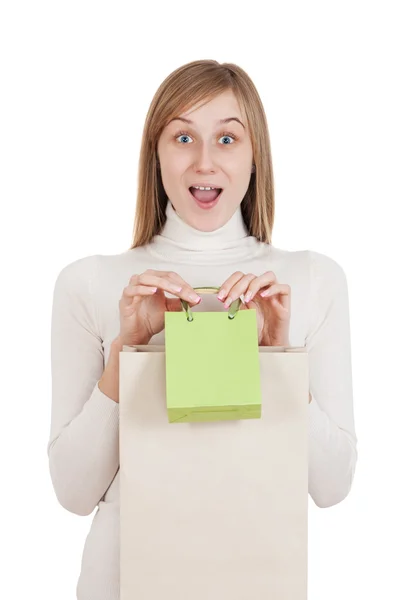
pixel 212 364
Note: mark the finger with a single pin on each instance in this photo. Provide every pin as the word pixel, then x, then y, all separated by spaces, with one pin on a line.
pixel 168 283
pixel 172 276
pixel 258 283
pixel 280 293
pixel 283 289
pixel 228 284
pixel 131 294
pixel 175 278
pixel 239 288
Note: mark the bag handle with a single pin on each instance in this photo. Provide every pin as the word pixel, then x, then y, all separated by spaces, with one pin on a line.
pixel 233 309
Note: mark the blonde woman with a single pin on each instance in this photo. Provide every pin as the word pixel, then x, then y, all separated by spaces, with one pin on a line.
pixel 204 216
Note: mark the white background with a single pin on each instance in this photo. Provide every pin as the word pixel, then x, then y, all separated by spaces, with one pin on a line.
pixel 77 79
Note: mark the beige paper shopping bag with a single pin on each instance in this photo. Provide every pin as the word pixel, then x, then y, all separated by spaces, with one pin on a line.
pixel 213 510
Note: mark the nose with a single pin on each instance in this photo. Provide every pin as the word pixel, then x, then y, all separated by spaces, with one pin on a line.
pixel 204 160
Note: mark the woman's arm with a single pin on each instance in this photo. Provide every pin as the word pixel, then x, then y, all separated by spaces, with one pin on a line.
pixel 332 437
pixel 83 447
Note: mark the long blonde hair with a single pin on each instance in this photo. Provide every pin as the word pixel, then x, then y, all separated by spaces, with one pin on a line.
pixel 200 81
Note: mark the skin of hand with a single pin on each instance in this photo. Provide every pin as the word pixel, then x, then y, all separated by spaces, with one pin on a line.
pixel 268 297
pixel 143 304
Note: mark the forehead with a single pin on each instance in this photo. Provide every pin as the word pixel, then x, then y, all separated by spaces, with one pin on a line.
pixel 220 110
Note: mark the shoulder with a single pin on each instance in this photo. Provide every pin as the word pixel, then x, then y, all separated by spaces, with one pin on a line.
pixel 328 288
pixel 293 259
pixel 325 270
pixel 78 275
pixel 92 271
pixel 304 260
pixel 311 273
pixel 292 266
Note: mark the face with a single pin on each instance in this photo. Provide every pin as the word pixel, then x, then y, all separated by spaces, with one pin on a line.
pixel 207 152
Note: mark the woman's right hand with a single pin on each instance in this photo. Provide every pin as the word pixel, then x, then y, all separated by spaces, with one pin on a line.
pixel 143 304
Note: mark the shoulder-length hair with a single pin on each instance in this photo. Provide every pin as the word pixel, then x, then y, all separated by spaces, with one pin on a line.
pixel 200 81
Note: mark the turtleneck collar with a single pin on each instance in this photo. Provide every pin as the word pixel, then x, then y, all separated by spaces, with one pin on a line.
pixel 180 242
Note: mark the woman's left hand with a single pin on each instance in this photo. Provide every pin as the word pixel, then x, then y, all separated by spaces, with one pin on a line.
pixel 270 299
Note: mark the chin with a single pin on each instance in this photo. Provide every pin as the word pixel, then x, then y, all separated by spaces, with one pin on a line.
pixel 208 217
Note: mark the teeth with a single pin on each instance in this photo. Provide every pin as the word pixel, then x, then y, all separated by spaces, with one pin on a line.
pixel 198 187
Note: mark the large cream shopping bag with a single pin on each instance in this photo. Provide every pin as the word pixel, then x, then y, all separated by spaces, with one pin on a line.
pixel 213 510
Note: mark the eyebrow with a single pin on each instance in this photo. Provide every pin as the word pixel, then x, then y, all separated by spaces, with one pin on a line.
pixel 221 121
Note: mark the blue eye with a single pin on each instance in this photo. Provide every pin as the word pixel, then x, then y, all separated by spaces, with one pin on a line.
pixel 223 134
pixel 183 135
pixel 227 136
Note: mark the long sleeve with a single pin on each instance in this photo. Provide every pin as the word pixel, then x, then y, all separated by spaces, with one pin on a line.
pixel 332 437
pixel 83 448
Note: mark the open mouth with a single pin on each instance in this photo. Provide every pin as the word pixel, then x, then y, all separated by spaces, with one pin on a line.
pixel 205 196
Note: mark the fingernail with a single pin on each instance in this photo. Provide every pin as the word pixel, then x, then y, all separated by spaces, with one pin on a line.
pixel 248 296
pixel 194 298
pixel 228 302
pixel 221 294
pixel 176 288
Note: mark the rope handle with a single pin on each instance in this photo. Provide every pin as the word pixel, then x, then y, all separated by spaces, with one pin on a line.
pixel 233 309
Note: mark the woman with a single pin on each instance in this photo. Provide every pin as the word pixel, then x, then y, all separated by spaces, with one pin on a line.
pixel 206 127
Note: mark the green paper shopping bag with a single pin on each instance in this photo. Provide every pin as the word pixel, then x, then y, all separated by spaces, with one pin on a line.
pixel 212 364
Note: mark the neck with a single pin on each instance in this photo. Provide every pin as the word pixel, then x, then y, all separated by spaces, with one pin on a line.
pixel 181 242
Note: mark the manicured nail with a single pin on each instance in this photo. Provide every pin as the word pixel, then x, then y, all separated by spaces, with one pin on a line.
pixel 228 302
pixel 248 296
pixel 265 293
pixel 221 294
pixel 194 298
pixel 176 288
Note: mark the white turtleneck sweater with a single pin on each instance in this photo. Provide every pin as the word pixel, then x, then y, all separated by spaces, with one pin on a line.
pixel 83 447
